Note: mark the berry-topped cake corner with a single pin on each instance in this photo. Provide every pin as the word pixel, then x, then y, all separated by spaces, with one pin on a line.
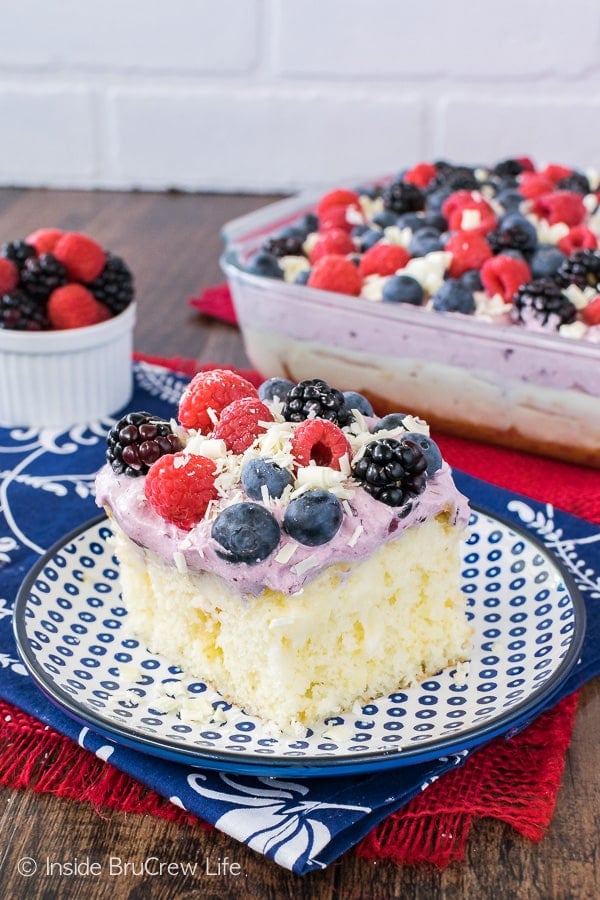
pixel 288 547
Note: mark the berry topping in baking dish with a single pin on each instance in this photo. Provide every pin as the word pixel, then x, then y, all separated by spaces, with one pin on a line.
pixel 488 230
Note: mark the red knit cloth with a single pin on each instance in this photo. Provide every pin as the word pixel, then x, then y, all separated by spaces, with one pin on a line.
pixel 514 780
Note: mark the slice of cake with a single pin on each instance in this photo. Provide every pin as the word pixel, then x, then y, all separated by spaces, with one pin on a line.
pixel 286 546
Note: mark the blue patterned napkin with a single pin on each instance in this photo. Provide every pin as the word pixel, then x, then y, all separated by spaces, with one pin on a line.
pixel 46 490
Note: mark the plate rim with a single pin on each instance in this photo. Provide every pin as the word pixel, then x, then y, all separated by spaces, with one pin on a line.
pixel 475 736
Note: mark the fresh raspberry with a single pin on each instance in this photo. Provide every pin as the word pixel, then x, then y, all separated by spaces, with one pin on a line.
pixel 526 163
pixel 484 222
pixel 73 306
pixel 336 273
pixel 503 274
pixel 241 422
pixel 591 313
pixel 469 250
pixel 532 185
pixel 180 486
pixel 9 276
pixel 337 217
pixel 421 174
pixel 321 442
pixel 560 206
pixel 383 259
pixel 457 200
pixel 81 256
pixel 458 213
pixel 555 173
pixel 578 238
pixel 336 240
pixel 337 197
pixel 44 239
pixel 211 391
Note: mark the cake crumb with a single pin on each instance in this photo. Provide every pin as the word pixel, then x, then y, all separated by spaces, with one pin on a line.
pixel 461 673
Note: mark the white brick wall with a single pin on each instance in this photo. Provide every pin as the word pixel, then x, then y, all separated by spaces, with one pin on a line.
pixel 266 95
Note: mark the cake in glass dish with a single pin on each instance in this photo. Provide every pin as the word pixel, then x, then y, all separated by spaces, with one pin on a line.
pixel 466 295
pixel 287 546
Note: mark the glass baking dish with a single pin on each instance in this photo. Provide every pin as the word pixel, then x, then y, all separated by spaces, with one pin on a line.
pixel 504 384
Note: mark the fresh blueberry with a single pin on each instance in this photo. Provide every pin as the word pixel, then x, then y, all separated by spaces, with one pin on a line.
pixel 435 200
pixel 265 264
pixel 546 261
pixel 471 280
pixel 392 420
pixel 313 518
pixel 384 219
pixel 302 276
pixel 510 199
pixel 275 388
pixel 426 240
pixel 354 400
pixel 436 220
pixel 452 296
pixel 247 532
pixel 259 473
pixel 369 238
pixel 517 224
pixel 508 182
pixel 513 252
pixel 402 289
pixel 308 223
pixel 428 448
pixel 291 231
pixel 410 220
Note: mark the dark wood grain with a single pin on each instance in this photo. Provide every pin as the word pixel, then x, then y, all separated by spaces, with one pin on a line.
pixel 172 243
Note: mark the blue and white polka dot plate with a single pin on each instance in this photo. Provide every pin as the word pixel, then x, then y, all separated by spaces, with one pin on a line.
pixel 72 634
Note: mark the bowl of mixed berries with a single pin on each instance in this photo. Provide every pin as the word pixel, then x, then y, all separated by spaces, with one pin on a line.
pixel 67 314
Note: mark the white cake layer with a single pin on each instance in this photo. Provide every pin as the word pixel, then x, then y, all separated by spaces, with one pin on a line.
pixel 357 630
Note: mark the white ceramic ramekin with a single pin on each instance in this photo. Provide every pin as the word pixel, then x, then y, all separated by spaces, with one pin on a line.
pixel 58 379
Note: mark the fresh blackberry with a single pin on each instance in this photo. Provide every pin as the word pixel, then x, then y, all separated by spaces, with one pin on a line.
pixel 392 471
pixel 582 268
pixel 576 182
pixel 138 440
pixel 544 301
pixel 453 178
pixel 40 275
pixel 314 398
pixel 20 312
pixel 18 252
pixel 285 245
pixel 508 168
pixel 400 197
pixel 114 285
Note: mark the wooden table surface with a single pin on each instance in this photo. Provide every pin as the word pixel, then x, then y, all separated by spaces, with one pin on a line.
pixel 172 243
